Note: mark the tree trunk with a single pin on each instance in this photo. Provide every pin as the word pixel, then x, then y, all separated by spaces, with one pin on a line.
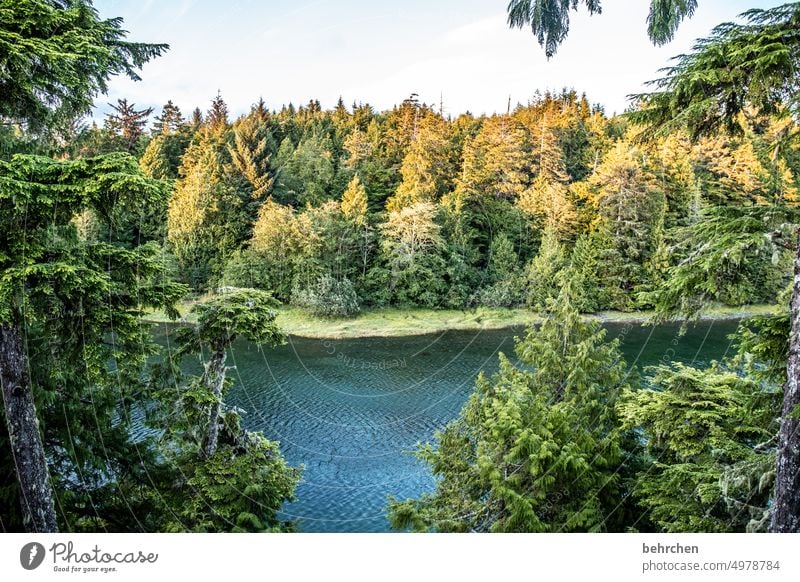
pixel 33 477
pixel 786 511
pixel 213 380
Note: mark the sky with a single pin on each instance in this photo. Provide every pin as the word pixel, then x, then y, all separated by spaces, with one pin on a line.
pixel 457 52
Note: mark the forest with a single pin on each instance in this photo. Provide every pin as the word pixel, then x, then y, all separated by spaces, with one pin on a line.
pixel 686 201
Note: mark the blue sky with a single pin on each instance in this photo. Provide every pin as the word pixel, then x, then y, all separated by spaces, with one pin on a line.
pixel 379 52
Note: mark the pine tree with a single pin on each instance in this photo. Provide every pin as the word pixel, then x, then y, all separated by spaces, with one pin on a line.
pixel 549 21
pixel 354 201
pixel 69 295
pixel 740 68
pixel 162 157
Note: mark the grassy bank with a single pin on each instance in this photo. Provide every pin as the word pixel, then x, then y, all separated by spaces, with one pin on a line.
pixel 417 321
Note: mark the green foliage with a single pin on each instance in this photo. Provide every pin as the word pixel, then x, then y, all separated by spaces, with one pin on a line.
pixel 595 286
pixel 727 258
pixel 252 149
pixel 241 481
pixel 305 173
pixel 706 432
pixel 740 66
pixel 549 19
pixel 56 57
pixel 412 262
pixel 248 313
pixel 240 489
pixel 127 124
pixel 72 294
pixel 505 288
pixel 534 449
pixel 542 275
pixel 212 210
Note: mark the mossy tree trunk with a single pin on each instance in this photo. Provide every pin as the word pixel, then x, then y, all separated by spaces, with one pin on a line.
pixel 30 462
pixel 214 380
pixel 786 512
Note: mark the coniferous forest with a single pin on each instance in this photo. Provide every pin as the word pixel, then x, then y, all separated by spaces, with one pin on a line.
pixel 686 202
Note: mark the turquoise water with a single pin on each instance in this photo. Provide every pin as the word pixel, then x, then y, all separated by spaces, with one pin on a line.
pixel 352 410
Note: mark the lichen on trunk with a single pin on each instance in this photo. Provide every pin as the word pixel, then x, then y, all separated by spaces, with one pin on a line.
pixel 786 512
pixel 30 462
pixel 214 380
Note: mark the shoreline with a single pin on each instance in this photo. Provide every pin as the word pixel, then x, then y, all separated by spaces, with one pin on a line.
pixel 397 322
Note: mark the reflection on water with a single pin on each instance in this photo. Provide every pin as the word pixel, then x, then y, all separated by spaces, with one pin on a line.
pixel 351 410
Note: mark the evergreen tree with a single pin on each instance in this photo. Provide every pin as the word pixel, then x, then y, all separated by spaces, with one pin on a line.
pixel 549 20
pixel 252 150
pixel 354 207
pixel 428 166
pixel 170 121
pixel 127 123
pixel 497 161
pixel 65 296
pixel 210 213
pixel 239 479
pixel 746 67
pixel 58 56
pixel 305 174
pixel 543 273
pixel 630 207
pixel 505 286
pixel 412 263
pixel 534 449
pixel 706 433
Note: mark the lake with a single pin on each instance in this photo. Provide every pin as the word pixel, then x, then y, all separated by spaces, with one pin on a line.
pixel 351 411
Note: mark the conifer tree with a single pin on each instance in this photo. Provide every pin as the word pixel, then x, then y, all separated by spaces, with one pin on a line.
pixel 543 273
pixel 534 449
pixel 239 479
pixel 170 121
pixel 252 150
pixel 58 57
pixel 64 296
pixel 629 206
pixel 497 162
pixel 750 67
pixel 706 433
pixel 428 166
pixel 128 123
pixel 411 248
pixel 549 19
pixel 210 214
pixel 305 173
